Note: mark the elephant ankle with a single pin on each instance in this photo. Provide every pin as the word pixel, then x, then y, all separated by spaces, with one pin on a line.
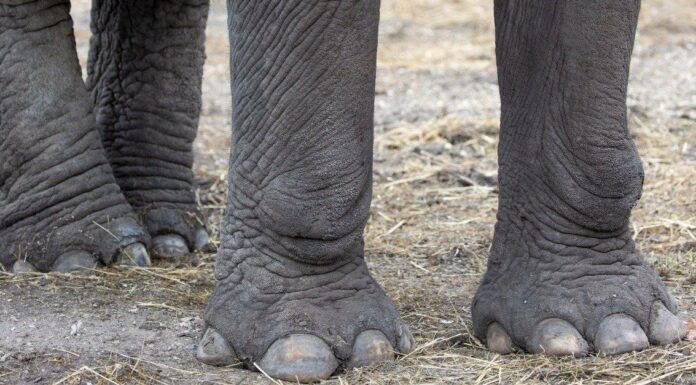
pixel 570 194
pixel 295 222
pixel 248 237
pixel 540 235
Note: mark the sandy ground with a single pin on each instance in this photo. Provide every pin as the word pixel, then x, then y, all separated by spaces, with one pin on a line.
pixel 431 225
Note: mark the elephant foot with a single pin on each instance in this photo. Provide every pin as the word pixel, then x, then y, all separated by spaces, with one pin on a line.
pixel 300 322
pixel 65 243
pixel 65 211
pixel 175 232
pixel 76 249
pixel 590 293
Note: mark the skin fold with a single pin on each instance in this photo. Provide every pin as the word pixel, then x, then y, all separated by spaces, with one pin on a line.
pixel 97 172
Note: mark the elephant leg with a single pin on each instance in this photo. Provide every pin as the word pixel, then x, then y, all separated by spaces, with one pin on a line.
pixel 293 292
pixel 60 206
pixel 564 276
pixel 145 69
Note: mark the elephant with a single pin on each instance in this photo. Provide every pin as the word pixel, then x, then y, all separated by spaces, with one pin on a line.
pixel 98 172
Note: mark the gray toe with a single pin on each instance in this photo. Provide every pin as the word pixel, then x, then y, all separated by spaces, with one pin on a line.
pixel 214 350
pixel 498 340
pixel 21 267
pixel 202 242
pixel 370 347
pixel 405 341
pixel 74 260
pixel 557 337
pixel 665 327
pixel 619 333
pixel 134 255
pixel 299 357
pixel 169 246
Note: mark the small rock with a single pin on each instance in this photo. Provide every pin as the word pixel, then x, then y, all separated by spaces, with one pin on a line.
pixel 75 328
pixel 434 149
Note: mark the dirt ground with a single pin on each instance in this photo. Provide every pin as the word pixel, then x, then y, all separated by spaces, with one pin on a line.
pixel 430 229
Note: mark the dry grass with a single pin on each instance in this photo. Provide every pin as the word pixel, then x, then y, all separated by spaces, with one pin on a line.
pixel 434 206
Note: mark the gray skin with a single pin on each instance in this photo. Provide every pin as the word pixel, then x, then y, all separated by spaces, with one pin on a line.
pixel 97 173
pixel 94 174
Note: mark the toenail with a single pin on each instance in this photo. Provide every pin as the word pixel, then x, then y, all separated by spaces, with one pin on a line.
pixel 665 327
pixel 21 267
pixel 169 245
pixel 74 260
pixel 370 347
pixel 299 357
pixel 214 350
pixel 135 255
pixel 202 242
pixel 406 342
pixel 498 340
pixel 619 333
pixel 557 337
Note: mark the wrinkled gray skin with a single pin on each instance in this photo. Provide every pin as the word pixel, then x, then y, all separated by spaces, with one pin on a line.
pixel 97 173
pixel 67 198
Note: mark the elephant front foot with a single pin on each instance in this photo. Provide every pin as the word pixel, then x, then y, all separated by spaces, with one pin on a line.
pixel 176 231
pixel 79 222
pixel 134 254
pixel 297 321
pixel 561 294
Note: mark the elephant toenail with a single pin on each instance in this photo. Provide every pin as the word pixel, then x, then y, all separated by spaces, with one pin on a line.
pixel 498 340
pixel 299 357
pixel 619 333
pixel 214 350
pixel 135 255
pixel 21 267
pixel 406 343
pixel 665 327
pixel 370 347
pixel 556 337
pixel 169 246
pixel 202 241
pixel 74 260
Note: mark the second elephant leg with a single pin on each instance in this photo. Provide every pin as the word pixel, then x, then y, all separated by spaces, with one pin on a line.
pixel 293 292
pixel 145 69
pixel 564 275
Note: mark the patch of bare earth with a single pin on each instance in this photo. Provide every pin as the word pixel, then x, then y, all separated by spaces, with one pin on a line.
pixel 433 212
